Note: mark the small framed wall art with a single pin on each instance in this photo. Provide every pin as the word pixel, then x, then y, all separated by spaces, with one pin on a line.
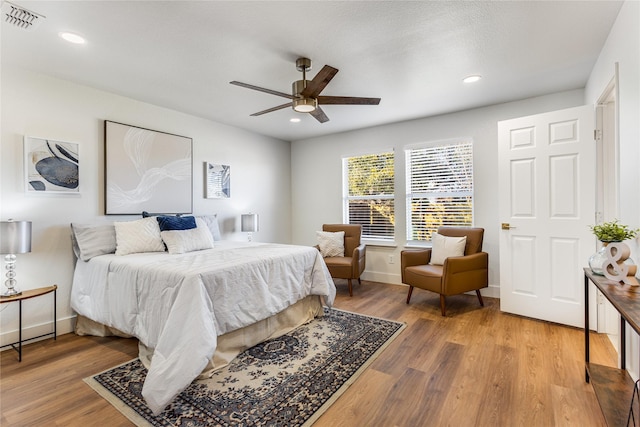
pixel 146 170
pixel 51 166
pixel 218 181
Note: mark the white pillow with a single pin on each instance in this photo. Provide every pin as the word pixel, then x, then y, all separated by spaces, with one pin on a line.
pixel 142 235
pixel 444 247
pixel 91 240
pixel 181 241
pixel 331 243
pixel 211 221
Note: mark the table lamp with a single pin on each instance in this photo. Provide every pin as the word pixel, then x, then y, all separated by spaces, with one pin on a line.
pixel 249 223
pixel 15 238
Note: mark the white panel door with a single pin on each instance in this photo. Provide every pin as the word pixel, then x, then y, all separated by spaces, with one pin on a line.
pixel 547 202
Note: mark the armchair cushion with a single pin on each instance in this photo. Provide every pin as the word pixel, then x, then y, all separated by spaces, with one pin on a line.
pixel 331 244
pixel 445 247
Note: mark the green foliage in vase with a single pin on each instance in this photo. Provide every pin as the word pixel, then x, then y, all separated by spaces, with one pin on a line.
pixel 613 232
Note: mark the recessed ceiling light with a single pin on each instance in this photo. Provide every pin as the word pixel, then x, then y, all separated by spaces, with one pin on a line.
pixel 472 79
pixel 294 120
pixel 72 38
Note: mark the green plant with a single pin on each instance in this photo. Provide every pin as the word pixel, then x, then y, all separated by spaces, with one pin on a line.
pixel 613 232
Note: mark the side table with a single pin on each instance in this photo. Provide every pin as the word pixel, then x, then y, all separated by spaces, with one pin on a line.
pixel 31 293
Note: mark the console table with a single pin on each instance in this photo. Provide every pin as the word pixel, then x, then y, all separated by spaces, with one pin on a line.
pixel 31 293
pixel 613 387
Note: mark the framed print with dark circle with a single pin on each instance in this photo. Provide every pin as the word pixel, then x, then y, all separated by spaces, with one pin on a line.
pixel 51 166
pixel 146 170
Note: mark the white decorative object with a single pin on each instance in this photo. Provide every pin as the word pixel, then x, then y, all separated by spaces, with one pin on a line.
pixel 331 243
pixel 615 268
pixel 182 241
pixel 142 235
pixel 444 247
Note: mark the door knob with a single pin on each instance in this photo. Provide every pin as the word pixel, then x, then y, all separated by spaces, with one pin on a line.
pixel 506 226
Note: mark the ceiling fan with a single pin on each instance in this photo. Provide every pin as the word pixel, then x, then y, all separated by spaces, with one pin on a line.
pixel 305 94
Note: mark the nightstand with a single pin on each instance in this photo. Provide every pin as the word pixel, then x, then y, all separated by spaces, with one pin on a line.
pixel 31 293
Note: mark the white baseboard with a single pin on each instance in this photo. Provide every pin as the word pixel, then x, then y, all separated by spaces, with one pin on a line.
pixel 375 276
pixel 64 326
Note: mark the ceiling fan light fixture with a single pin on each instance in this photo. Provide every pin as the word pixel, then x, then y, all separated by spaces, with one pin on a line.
pixel 305 105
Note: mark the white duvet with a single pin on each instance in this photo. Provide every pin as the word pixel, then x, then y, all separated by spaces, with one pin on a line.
pixel 179 304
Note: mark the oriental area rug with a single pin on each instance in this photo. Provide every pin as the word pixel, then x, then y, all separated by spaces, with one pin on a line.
pixel 286 381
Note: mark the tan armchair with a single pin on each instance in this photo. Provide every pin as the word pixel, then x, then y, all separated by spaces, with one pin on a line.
pixel 457 275
pixel 352 264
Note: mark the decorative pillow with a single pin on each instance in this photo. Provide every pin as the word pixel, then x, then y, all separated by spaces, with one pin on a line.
pixel 181 241
pixel 142 235
pixel 176 222
pixel 331 243
pixel 211 222
pixel 93 240
pixel 444 247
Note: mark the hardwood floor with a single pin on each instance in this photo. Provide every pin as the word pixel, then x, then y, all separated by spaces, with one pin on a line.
pixel 475 367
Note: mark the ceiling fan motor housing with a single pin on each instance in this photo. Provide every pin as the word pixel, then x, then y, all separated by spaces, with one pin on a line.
pixel 300 103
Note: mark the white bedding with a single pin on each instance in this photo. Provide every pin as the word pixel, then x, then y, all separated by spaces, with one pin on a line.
pixel 178 304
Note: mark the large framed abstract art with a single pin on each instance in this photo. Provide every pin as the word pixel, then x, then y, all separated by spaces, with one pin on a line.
pixel 51 166
pixel 146 170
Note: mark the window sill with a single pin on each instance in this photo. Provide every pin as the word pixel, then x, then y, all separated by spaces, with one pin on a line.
pixel 379 243
pixel 417 245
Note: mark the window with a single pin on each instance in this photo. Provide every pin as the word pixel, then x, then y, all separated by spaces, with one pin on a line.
pixel 439 188
pixel 369 194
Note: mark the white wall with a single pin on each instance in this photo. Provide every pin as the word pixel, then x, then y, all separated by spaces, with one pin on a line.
pixel 317 174
pixel 623 48
pixel 37 105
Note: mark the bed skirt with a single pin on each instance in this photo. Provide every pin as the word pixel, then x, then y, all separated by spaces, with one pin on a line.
pixel 232 343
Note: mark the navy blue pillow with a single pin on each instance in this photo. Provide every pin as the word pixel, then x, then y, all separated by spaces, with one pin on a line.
pixel 176 222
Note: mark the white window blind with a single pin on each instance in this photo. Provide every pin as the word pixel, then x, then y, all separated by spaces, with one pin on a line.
pixel 369 194
pixel 439 188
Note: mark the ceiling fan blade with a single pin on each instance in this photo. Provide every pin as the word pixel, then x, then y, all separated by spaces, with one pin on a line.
pixel 269 110
pixel 322 79
pixel 319 115
pixel 347 100
pixel 261 89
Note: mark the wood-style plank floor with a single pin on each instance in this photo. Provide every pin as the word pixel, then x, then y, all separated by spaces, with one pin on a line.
pixel 475 367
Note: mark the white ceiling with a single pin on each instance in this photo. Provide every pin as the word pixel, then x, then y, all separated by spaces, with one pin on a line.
pixel 183 54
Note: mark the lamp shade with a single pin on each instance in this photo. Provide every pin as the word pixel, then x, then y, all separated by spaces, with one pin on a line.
pixel 249 222
pixel 15 237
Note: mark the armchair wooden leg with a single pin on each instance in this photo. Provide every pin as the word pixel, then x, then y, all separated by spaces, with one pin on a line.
pixel 359 281
pixel 350 288
pixel 480 297
pixel 442 305
pixel 409 295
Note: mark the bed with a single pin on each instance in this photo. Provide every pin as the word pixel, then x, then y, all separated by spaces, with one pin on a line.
pixel 194 310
